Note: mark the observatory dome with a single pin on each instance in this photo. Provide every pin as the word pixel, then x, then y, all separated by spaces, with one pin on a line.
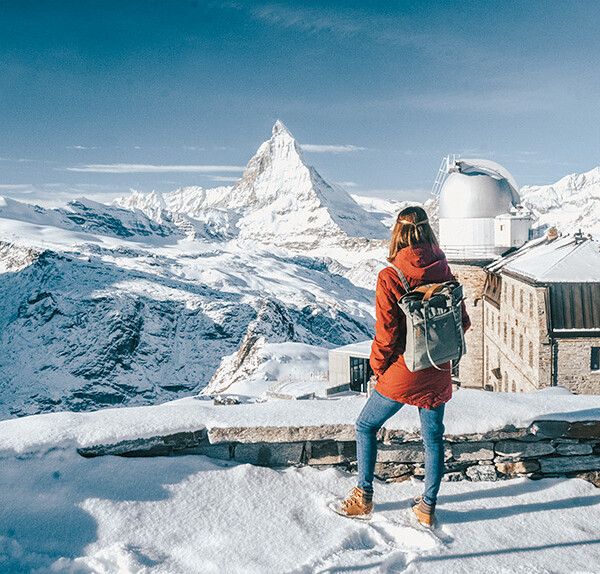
pixel 474 195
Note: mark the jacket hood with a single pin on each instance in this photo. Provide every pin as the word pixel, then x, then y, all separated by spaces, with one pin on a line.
pixel 424 262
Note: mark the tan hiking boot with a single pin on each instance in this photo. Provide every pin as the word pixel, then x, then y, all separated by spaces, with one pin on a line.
pixel 355 505
pixel 424 512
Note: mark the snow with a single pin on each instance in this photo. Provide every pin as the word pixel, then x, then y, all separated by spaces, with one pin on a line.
pixel 563 260
pixel 570 204
pixel 39 433
pixel 185 515
pixel 362 349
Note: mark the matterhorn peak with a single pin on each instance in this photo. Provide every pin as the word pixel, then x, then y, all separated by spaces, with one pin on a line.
pixel 279 128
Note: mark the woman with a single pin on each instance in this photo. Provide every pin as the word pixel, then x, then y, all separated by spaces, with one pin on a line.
pixel 415 251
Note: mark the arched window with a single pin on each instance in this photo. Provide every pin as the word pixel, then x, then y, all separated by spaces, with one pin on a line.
pixel 505 381
pixel 512 338
pixel 505 331
pixel 514 387
pixel 492 321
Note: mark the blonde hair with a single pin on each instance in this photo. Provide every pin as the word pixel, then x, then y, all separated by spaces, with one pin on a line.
pixel 412 227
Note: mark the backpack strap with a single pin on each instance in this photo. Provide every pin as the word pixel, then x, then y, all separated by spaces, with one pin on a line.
pixel 403 279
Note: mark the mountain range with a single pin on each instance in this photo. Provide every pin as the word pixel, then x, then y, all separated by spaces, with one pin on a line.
pixel 159 296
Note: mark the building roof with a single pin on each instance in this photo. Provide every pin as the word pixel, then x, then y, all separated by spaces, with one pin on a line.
pixel 360 350
pixel 567 259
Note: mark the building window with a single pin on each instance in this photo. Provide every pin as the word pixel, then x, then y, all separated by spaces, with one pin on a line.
pixel 521 347
pixel 514 387
pixel 530 354
pixel 505 381
pixel 505 331
pixel 595 362
pixel 492 321
pixel 531 305
pixel 360 373
pixel 512 339
pixel 520 300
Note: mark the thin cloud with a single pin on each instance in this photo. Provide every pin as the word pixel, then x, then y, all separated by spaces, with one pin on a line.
pixel 319 148
pixel 223 178
pixel 307 18
pixel 348 183
pixel 81 147
pixel 23 188
pixel 147 168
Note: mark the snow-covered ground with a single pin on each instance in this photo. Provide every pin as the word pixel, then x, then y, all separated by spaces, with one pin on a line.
pixel 60 512
pixel 184 515
pixel 40 433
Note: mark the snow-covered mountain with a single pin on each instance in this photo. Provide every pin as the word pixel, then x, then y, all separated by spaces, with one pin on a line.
pixel 570 204
pixel 278 200
pixel 164 295
pixel 160 296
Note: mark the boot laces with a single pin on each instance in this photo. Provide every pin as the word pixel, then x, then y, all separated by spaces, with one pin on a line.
pixel 352 497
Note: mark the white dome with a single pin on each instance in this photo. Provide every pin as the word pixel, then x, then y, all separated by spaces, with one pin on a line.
pixel 474 195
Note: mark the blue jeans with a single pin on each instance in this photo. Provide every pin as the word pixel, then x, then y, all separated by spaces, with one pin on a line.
pixel 379 409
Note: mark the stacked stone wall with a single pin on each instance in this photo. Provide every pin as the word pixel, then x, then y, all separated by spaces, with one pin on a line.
pixel 573 361
pixel 472 278
pixel 544 449
pixel 516 339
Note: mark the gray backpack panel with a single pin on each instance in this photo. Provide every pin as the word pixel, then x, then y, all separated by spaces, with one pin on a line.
pixel 434 330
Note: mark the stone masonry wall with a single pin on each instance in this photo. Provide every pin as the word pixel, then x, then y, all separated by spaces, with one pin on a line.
pixel 516 339
pixel 472 278
pixel 574 365
pixel 544 449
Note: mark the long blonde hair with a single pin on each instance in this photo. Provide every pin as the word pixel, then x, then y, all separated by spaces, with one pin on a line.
pixel 412 227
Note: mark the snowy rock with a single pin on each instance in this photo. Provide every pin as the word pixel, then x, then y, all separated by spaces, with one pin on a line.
pixel 390 471
pixel 342 432
pixel 482 472
pixel 564 464
pixel 405 452
pixel 585 429
pixel 271 325
pixel 519 467
pixel 574 449
pixel 331 452
pixel 267 454
pixel 569 204
pixel 473 451
pixel 520 449
pixel 550 429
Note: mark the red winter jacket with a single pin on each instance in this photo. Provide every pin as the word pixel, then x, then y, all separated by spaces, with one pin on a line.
pixel 429 388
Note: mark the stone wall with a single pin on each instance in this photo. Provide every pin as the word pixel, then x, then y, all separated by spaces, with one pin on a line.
pixel 515 339
pixel 544 449
pixel 573 361
pixel 472 277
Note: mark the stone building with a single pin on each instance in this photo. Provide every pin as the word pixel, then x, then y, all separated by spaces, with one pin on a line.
pixel 480 218
pixel 541 317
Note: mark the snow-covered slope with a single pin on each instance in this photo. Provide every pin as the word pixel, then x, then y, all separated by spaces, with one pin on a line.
pixel 87 326
pixel 570 204
pixel 163 295
pixel 101 305
pixel 278 200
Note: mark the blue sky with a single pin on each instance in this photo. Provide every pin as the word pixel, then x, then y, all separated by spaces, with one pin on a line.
pixel 379 92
